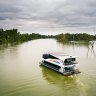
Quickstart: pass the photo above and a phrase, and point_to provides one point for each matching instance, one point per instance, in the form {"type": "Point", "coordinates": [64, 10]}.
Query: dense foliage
{"type": "Point", "coordinates": [75, 37]}
{"type": "Point", "coordinates": [10, 36]}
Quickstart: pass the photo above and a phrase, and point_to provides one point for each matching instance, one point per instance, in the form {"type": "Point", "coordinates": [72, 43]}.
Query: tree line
{"type": "Point", "coordinates": [75, 37]}
{"type": "Point", "coordinates": [10, 36]}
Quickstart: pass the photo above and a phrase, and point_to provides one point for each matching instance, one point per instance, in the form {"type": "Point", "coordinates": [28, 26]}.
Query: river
{"type": "Point", "coordinates": [21, 75]}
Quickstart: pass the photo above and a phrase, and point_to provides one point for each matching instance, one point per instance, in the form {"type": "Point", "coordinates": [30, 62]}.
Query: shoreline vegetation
{"type": "Point", "coordinates": [80, 38]}
{"type": "Point", "coordinates": [13, 36]}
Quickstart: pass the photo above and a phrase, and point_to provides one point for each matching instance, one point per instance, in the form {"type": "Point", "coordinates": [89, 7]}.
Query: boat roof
{"type": "Point", "coordinates": [61, 55]}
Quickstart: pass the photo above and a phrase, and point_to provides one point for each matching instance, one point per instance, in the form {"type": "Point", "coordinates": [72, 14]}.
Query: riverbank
{"type": "Point", "coordinates": [13, 36]}
{"type": "Point", "coordinates": [80, 38]}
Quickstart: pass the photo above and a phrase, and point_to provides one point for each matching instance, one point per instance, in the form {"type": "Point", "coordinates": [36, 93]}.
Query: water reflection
{"type": "Point", "coordinates": [3, 46]}
{"type": "Point", "coordinates": [56, 78]}
{"type": "Point", "coordinates": [90, 46]}
{"type": "Point", "coordinates": [75, 43]}
{"type": "Point", "coordinates": [67, 84]}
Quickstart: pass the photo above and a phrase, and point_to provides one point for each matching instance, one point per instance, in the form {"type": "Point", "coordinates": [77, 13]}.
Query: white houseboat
{"type": "Point", "coordinates": [60, 62]}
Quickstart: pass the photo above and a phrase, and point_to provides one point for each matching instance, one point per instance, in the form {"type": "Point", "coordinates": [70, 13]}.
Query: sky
{"type": "Point", "coordinates": [49, 16]}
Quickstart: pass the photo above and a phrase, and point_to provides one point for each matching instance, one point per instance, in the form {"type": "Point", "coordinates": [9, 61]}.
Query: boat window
{"type": "Point", "coordinates": [68, 60]}
{"type": "Point", "coordinates": [52, 57]}
{"type": "Point", "coordinates": [73, 59]}
{"type": "Point", "coordinates": [46, 56]}
{"type": "Point", "coordinates": [69, 69]}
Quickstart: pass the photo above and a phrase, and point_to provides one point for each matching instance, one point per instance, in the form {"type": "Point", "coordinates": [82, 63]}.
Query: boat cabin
{"type": "Point", "coordinates": [66, 59]}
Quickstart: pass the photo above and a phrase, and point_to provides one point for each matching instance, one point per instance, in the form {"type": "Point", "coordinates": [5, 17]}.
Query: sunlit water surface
{"type": "Point", "coordinates": [21, 75]}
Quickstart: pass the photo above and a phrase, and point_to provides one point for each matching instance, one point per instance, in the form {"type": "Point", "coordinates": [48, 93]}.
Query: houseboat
{"type": "Point", "coordinates": [64, 64]}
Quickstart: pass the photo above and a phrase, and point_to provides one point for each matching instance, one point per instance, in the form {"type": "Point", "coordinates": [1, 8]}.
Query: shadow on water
{"type": "Point", "coordinates": [71, 85]}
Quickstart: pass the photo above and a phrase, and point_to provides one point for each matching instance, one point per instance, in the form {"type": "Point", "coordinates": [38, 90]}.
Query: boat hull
{"type": "Point", "coordinates": [53, 67]}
